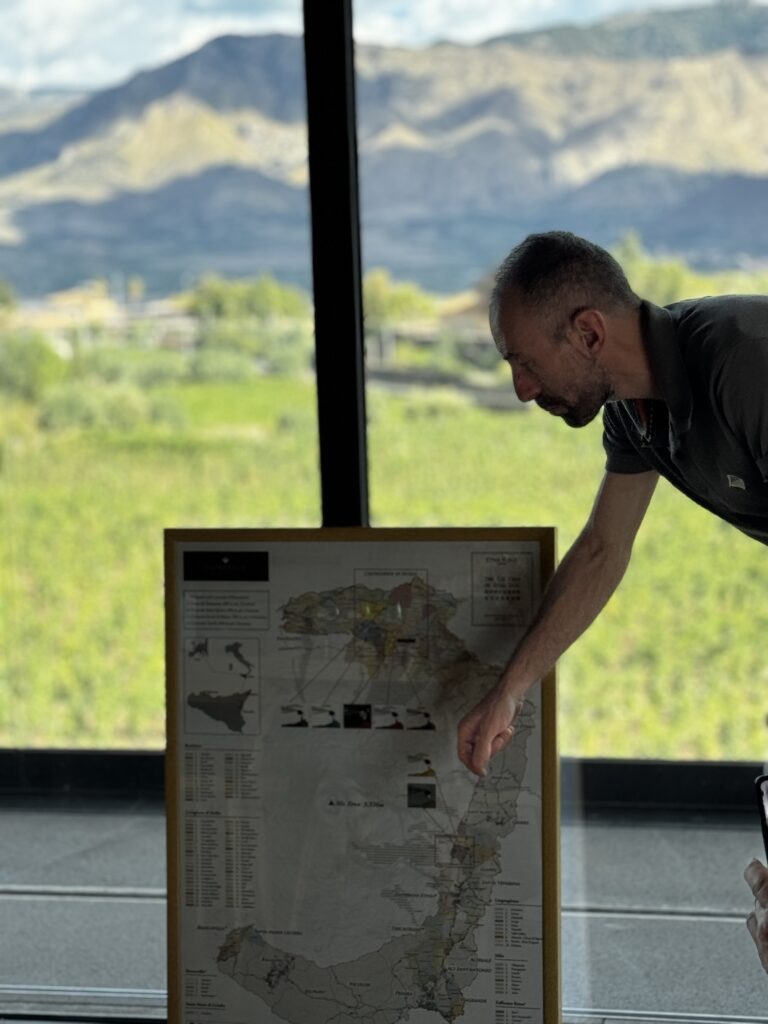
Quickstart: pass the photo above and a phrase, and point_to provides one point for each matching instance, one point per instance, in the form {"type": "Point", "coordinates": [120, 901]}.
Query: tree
{"type": "Point", "coordinates": [264, 298]}
{"type": "Point", "coordinates": [387, 302]}
{"type": "Point", "coordinates": [28, 365]}
{"type": "Point", "coordinates": [661, 280]}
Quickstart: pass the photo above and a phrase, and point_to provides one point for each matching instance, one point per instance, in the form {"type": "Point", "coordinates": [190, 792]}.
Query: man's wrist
{"type": "Point", "coordinates": [513, 685]}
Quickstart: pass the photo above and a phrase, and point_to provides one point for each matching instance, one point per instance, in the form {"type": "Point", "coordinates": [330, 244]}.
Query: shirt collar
{"type": "Point", "coordinates": [666, 362]}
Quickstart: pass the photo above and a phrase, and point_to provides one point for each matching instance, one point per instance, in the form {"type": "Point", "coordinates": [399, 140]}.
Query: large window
{"type": "Point", "coordinates": [156, 341]}
{"type": "Point", "coordinates": [156, 370]}
{"type": "Point", "coordinates": [606, 129]}
{"type": "Point", "coordinates": [156, 329]}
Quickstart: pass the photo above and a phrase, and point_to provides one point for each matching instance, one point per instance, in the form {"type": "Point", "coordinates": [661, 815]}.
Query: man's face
{"type": "Point", "coordinates": [558, 373]}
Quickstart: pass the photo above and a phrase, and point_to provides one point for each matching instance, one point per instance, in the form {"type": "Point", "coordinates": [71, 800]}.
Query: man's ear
{"type": "Point", "coordinates": [589, 331]}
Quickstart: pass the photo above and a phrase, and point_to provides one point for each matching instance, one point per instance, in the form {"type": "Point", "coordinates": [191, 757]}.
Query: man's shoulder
{"type": "Point", "coordinates": [721, 337]}
{"type": "Point", "coordinates": [726, 318]}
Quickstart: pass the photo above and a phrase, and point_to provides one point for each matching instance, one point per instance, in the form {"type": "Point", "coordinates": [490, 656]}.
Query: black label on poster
{"type": "Point", "coordinates": [228, 566]}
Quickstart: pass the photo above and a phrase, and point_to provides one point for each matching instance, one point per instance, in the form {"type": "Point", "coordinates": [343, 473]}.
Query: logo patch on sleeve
{"type": "Point", "coordinates": [736, 481]}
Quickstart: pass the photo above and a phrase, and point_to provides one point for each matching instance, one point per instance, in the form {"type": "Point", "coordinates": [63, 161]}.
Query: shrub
{"type": "Point", "coordinates": [289, 349]}
{"type": "Point", "coordinates": [431, 403]}
{"type": "Point", "coordinates": [284, 347]}
{"type": "Point", "coordinates": [221, 365]}
{"type": "Point", "coordinates": [29, 365]}
{"type": "Point", "coordinates": [120, 407]}
{"type": "Point", "coordinates": [236, 334]}
{"type": "Point", "coordinates": [141, 367]}
{"type": "Point", "coordinates": [71, 405]}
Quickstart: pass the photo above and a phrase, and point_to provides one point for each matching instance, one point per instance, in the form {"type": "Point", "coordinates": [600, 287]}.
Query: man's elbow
{"type": "Point", "coordinates": [605, 554]}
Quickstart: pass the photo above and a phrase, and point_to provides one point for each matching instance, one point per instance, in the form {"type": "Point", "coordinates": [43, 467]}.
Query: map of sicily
{"type": "Point", "coordinates": [214, 667]}
{"type": "Point", "coordinates": [388, 885]}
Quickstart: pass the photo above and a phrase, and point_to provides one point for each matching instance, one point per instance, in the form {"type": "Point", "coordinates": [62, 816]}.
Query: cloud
{"type": "Point", "coordinates": [96, 43]}
{"type": "Point", "coordinates": [243, 8]}
{"type": "Point", "coordinates": [469, 21]}
{"type": "Point", "coordinates": [392, 21]}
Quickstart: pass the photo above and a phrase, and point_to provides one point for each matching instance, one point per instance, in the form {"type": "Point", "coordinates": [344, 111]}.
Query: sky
{"type": "Point", "coordinates": [97, 43]}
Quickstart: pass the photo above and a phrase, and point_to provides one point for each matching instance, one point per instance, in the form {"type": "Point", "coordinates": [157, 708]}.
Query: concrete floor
{"type": "Point", "coordinates": [653, 916]}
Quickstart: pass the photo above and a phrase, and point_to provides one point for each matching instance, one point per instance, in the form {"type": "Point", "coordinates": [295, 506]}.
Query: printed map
{"type": "Point", "coordinates": [341, 865]}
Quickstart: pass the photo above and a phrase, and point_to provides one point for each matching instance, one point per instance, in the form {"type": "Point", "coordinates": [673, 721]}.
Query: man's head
{"type": "Point", "coordinates": [553, 300]}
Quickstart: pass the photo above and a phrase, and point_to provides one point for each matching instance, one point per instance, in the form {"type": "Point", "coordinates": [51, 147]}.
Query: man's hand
{"type": "Point", "coordinates": [756, 877]}
{"type": "Point", "coordinates": [487, 728]}
{"type": "Point", "coordinates": [578, 591]}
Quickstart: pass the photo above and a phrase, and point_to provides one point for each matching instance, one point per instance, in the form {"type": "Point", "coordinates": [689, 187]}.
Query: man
{"type": "Point", "coordinates": [684, 393]}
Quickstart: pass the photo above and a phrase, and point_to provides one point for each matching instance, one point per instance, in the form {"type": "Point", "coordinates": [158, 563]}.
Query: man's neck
{"type": "Point", "coordinates": [629, 370]}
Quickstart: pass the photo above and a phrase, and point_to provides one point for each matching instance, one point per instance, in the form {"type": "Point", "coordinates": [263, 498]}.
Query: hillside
{"type": "Point", "coordinates": [688, 32]}
{"type": "Point", "coordinates": [201, 164]}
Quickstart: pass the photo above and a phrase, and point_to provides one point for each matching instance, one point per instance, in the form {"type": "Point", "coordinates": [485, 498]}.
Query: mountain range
{"type": "Point", "coordinates": [651, 122]}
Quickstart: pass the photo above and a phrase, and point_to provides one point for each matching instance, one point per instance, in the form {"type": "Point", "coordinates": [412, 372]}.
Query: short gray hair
{"type": "Point", "coordinates": [556, 269]}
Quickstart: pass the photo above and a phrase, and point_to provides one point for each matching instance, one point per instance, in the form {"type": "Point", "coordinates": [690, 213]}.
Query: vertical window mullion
{"type": "Point", "coordinates": [332, 133]}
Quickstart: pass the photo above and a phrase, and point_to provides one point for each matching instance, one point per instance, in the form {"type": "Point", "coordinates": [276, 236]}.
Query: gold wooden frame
{"type": "Point", "coordinates": [546, 538]}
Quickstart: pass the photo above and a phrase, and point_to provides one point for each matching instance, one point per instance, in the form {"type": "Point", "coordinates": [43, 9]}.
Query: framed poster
{"type": "Point", "coordinates": [330, 861]}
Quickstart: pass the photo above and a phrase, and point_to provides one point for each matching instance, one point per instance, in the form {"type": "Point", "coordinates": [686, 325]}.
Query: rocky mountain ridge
{"type": "Point", "coordinates": [201, 164]}
{"type": "Point", "coordinates": [684, 32]}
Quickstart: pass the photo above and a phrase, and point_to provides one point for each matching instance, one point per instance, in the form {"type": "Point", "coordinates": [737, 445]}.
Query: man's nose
{"type": "Point", "coordinates": [525, 384]}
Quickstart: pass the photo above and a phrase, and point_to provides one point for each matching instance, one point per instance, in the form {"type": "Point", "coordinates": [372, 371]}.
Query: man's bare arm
{"type": "Point", "coordinates": [578, 591]}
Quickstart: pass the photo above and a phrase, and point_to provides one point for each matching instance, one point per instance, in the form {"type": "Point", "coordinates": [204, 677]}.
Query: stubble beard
{"type": "Point", "coordinates": [584, 408]}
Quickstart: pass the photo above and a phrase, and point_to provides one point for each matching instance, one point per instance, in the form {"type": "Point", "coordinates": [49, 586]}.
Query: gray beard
{"type": "Point", "coordinates": [585, 409]}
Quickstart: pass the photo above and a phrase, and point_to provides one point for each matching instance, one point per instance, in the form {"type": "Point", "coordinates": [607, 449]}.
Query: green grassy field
{"type": "Point", "coordinates": [674, 668]}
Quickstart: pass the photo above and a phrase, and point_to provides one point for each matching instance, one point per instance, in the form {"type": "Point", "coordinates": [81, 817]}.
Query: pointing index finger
{"type": "Point", "coordinates": [756, 877]}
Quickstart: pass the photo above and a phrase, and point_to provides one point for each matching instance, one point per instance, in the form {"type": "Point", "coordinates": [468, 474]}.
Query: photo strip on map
{"type": "Point", "coordinates": [329, 858]}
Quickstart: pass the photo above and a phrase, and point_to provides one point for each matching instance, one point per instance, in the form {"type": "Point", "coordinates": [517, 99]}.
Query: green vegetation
{"type": "Point", "coordinates": [28, 365]}
{"type": "Point", "coordinates": [674, 668]}
{"type": "Point", "coordinates": [665, 281]}
{"type": "Point", "coordinates": [102, 450]}
{"type": "Point", "coordinates": [248, 324]}
{"type": "Point", "coordinates": [388, 303]}
{"type": "Point", "coordinates": [83, 514]}
{"type": "Point", "coordinates": [263, 298]}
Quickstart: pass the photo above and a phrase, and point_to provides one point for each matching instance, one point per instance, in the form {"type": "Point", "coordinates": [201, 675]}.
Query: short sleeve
{"type": "Point", "coordinates": [742, 392]}
{"type": "Point", "coordinates": [621, 454]}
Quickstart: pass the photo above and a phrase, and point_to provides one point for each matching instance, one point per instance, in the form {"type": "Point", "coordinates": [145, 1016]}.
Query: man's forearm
{"type": "Point", "coordinates": [582, 585]}
{"type": "Point", "coordinates": [580, 588]}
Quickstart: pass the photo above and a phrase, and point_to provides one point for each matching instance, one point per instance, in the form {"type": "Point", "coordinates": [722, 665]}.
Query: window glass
{"type": "Point", "coordinates": [477, 125]}
{"type": "Point", "coordinates": [156, 334]}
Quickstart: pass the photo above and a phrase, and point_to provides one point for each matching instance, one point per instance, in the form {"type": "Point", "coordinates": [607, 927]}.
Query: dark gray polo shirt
{"type": "Point", "coordinates": [708, 433]}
